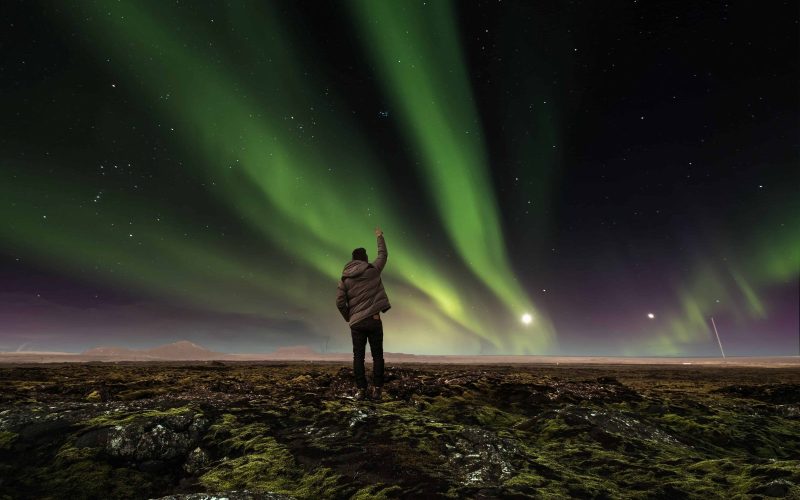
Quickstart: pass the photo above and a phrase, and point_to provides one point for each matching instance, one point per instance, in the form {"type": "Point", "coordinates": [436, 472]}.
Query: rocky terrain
{"type": "Point", "coordinates": [292, 430]}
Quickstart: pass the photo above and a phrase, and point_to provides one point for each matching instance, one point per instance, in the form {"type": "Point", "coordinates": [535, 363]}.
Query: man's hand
{"type": "Point", "coordinates": [378, 231]}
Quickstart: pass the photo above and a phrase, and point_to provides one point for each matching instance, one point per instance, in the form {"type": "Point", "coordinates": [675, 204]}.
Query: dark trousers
{"type": "Point", "coordinates": [368, 329]}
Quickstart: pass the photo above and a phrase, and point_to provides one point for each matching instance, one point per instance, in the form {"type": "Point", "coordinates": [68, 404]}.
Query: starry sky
{"type": "Point", "coordinates": [615, 172]}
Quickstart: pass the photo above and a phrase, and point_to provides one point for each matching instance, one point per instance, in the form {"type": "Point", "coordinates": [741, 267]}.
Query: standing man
{"type": "Point", "coordinates": [361, 298]}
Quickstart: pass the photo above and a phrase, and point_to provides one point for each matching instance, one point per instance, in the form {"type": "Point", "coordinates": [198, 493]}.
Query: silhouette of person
{"type": "Point", "coordinates": [360, 298]}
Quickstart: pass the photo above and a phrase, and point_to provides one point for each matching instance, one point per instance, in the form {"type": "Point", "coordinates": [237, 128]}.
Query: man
{"type": "Point", "coordinates": [361, 298]}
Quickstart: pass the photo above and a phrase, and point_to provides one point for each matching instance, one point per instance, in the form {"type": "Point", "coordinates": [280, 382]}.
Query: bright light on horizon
{"type": "Point", "coordinates": [527, 318]}
{"type": "Point", "coordinates": [651, 315]}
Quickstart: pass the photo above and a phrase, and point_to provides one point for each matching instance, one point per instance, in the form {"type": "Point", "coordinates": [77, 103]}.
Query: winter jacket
{"type": "Point", "coordinates": [360, 293]}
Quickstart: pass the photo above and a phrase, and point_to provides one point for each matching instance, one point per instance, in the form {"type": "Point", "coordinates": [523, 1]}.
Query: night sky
{"type": "Point", "coordinates": [619, 171]}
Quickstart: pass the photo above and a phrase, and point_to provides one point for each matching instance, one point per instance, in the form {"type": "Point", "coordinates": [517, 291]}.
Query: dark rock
{"type": "Point", "coordinates": [772, 393]}
{"type": "Point", "coordinates": [524, 394]}
{"type": "Point", "coordinates": [610, 427]}
{"type": "Point", "coordinates": [35, 430]}
{"type": "Point", "coordinates": [480, 457]}
{"type": "Point", "coordinates": [656, 409]}
{"type": "Point", "coordinates": [158, 439]}
{"type": "Point", "coordinates": [145, 442]}
{"type": "Point", "coordinates": [198, 425]}
{"type": "Point", "coordinates": [788, 411]}
{"type": "Point", "coordinates": [195, 461]}
{"type": "Point", "coordinates": [778, 488]}
{"type": "Point", "coordinates": [229, 495]}
{"type": "Point", "coordinates": [94, 438]}
{"type": "Point", "coordinates": [669, 492]}
{"type": "Point", "coordinates": [153, 466]}
{"type": "Point", "coordinates": [606, 439]}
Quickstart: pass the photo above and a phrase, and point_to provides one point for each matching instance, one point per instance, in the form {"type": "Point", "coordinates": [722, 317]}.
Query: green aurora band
{"type": "Point", "coordinates": [728, 283]}
{"type": "Point", "coordinates": [416, 48]}
{"type": "Point", "coordinates": [294, 180]}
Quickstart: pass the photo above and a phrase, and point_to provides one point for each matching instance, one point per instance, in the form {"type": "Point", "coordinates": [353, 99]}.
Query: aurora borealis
{"type": "Point", "coordinates": [201, 171]}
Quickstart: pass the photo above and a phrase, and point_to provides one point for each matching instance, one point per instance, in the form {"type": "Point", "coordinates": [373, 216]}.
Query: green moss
{"type": "Point", "coordinates": [89, 479]}
{"type": "Point", "coordinates": [141, 394]}
{"type": "Point", "coordinates": [82, 473]}
{"type": "Point", "coordinates": [430, 445]}
{"type": "Point", "coordinates": [377, 492]}
{"type": "Point", "coordinates": [263, 464]}
{"type": "Point", "coordinates": [7, 439]}
{"type": "Point", "coordinates": [125, 418]}
{"type": "Point", "coordinates": [490, 416]}
{"type": "Point", "coordinates": [553, 426]}
{"type": "Point", "coordinates": [263, 471]}
{"type": "Point", "coordinates": [712, 466]}
{"type": "Point", "coordinates": [69, 453]}
{"type": "Point", "coordinates": [525, 479]}
{"type": "Point", "coordinates": [323, 483]}
{"type": "Point", "coordinates": [450, 409]}
{"type": "Point", "coordinates": [683, 424]}
{"type": "Point", "coordinates": [235, 438]}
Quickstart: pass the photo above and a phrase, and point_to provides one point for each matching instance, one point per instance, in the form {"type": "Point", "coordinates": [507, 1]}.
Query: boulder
{"type": "Point", "coordinates": [148, 441]}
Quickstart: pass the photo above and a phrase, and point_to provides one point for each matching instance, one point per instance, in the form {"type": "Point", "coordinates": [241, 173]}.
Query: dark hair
{"type": "Point", "coordinates": [360, 254]}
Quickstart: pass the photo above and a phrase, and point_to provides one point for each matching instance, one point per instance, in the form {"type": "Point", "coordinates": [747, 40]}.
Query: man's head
{"type": "Point", "coordinates": [360, 254]}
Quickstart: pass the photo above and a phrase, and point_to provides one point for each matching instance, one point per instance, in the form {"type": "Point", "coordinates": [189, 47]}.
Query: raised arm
{"type": "Point", "coordinates": [380, 261]}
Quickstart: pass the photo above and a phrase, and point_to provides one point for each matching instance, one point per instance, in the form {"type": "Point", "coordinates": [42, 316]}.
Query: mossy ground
{"type": "Point", "coordinates": [441, 431]}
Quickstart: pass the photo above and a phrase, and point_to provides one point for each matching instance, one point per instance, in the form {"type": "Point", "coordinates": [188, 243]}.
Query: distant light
{"type": "Point", "coordinates": [651, 315]}
{"type": "Point", "coordinates": [527, 318]}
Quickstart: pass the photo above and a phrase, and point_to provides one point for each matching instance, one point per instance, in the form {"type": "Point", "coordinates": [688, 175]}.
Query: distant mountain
{"type": "Point", "coordinates": [109, 351]}
{"type": "Point", "coordinates": [190, 352]}
{"type": "Point", "coordinates": [182, 350]}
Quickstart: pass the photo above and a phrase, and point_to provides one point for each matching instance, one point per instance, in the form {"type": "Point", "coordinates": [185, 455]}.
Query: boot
{"type": "Point", "coordinates": [361, 394]}
{"type": "Point", "coordinates": [377, 393]}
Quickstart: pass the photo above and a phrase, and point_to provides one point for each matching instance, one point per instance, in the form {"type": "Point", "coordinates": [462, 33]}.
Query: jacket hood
{"type": "Point", "coordinates": [354, 268]}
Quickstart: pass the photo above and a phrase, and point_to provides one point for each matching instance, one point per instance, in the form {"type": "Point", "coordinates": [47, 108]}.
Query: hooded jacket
{"type": "Point", "coordinates": [360, 292]}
